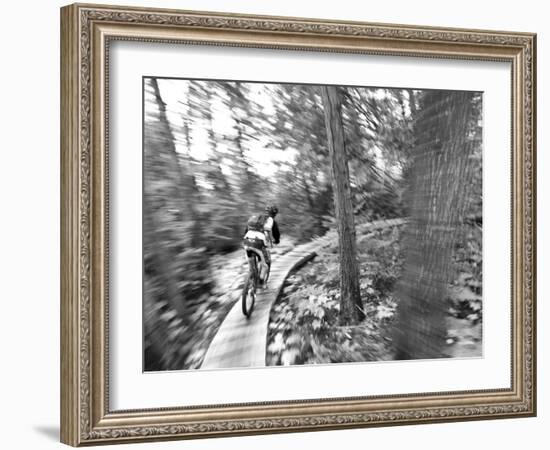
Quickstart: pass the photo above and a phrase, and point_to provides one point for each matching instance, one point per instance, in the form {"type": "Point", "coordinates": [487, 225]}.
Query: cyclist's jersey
{"type": "Point", "coordinates": [268, 225]}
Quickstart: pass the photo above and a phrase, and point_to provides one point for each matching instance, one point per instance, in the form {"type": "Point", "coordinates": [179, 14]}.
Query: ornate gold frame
{"type": "Point", "coordinates": [86, 31]}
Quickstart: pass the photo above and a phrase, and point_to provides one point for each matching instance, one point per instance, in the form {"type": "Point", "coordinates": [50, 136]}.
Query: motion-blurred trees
{"type": "Point", "coordinates": [378, 136]}
{"type": "Point", "coordinates": [438, 198]}
{"type": "Point", "coordinates": [176, 267]}
{"type": "Point", "coordinates": [305, 190]}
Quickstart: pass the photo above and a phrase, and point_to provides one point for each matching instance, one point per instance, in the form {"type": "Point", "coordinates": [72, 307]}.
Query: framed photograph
{"type": "Point", "coordinates": [276, 224]}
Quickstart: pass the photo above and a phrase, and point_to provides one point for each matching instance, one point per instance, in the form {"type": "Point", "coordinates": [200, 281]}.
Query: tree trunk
{"type": "Point", "coordinates": [165, 234]}
{"type": "Point", "coordinates": [439, 180]}
{"type": "Point", "coordinates": [183, 182]}
{"type": "Point", "coordinates": [222, 185]}
{"type": "Point", "coordinates": [412, 102]}
{"type": "Point", "coordinates": [351, 306]}
{"type": "Point", "coordinates": [191, 182]}
{"type": "Point", "coordinates": [185, 189]}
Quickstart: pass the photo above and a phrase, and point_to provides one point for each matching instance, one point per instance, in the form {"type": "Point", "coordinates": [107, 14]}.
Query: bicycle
{"type": "Point", "coordinates": [258, 270]}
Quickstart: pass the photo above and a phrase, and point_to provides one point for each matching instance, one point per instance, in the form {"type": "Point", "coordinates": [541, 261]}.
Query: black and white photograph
{"type": "Point", "coordinates": [300, 224]}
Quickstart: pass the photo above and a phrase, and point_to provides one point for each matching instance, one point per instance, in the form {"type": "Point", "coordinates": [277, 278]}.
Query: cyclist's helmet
{"type": "Point", "coordinates": [272, 210]}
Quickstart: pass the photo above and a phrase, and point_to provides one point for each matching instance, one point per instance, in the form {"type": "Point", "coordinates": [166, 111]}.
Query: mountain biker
{"type": "Point", "coordinates": [262, 231]}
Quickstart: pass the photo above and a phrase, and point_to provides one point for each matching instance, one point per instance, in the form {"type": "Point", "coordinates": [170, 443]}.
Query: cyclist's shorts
{"type": "Point", "coordinates": [254, 243]}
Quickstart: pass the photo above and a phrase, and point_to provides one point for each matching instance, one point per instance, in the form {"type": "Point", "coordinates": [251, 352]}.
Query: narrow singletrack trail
{"type": "Point", "coordinates": [241, 341]}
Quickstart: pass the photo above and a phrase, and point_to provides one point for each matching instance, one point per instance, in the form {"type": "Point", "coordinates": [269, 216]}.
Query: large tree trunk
{"type": "Point", "coordinates": [184, 183]}
{"type": "Point", "coordinates": [158, 199]}
{"type": "Point", "coordinates": [351, 306]}
{"type": "Point", "coordinates": [221, 183]}
{"type": "Point", "coordinates": [170, 215]}
{"type": "Point", "coordinates": [437, 198]}
{"type": "Point", "coordinates": [186, 159]}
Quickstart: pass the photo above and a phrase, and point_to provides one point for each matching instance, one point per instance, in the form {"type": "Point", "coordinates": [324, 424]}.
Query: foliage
{"type": "Point", "coordinates": [304, 328]}
{"type": "Point", "coordinates": [306, 316]}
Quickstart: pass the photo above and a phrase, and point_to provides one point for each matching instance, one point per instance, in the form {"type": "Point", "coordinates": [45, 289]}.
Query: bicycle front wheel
{"type": "Point", "coordinates": [249, 290]}
{"type": "Point", "coordinates": [249, 295]}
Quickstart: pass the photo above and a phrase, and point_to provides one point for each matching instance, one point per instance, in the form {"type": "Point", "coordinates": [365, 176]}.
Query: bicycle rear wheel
{"type": "Point", "coordinates": [267, 275]}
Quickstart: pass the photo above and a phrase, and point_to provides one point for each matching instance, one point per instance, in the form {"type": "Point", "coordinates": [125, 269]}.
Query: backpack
{"type": "Point", "coordinates": [256, 222]}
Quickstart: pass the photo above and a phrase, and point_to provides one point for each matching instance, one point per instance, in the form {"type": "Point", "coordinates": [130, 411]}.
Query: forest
{"type": "Point", "coordinates": [333, 159]}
